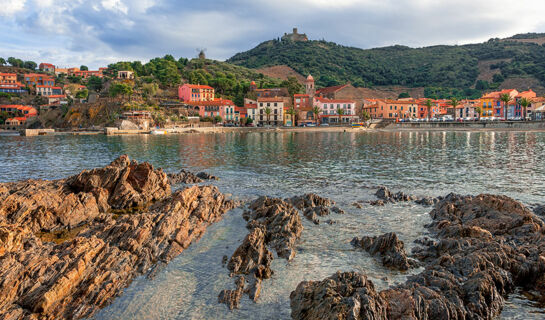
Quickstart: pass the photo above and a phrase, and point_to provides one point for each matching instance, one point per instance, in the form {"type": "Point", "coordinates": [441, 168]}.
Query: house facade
{"type": "Point", "coordinates": [38, 79]}
{"type": "Point", "coordinates": [9, 84]}
{"type": "Point", "coordinates": [48, 90]}
{"type": "Point", "coordinates": [17, 110]}
{"type": "Point", "coordinates": [492, 106]}
{"type": "Point", "coordinates": [276, 114]}
{"type": "Point", "coordinates": [195, 93]}
{"type": "Point", "coordinates": [330, 110]}
{"type": "Point", "coordinates": [47, 67]}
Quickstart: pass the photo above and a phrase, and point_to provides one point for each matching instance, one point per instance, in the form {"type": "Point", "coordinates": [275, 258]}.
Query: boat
{"type": "Point", "coordinates": [358, 125]}
{"type": "Point", "coordinates": [158, 132]}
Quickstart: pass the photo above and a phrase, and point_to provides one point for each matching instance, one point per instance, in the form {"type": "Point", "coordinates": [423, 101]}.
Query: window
{"type": "Point", "coordinates": [389, 115]}
{"type": "Point", "coordinates": [268, 104]}
{"type": "Point", "coordinates": [275, 104]}
{"type": "Point", "coordinates": [275, 111]}
{"type": "Point", "coordinates": [275, 118]}
{"type": "Point", "coordinates": [261, 104]}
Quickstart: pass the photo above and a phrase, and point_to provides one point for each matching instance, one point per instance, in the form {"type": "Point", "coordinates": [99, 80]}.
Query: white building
{"type": "Point", "coordinates": [276, 115]}
{"type": "Point", "coordinates": [330, 107]}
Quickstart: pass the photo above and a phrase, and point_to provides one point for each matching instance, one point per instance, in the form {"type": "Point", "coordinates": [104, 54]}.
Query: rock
{"type": "Point", "coordinates": [377, 203]}
{"type": "Point", "coordinates": [389, 248]}
{"type": "Point", "coordinates": [206, 176]}
{"type": "Point", "coordinates": [51, 269]}
{"type": "Point", "coordinates": [67, 203]}
{"type": "Point", "coordinates": [232, 297]}
{"type": "Point", "coordinates": [385, 195]}
{"type": "Point", "coordinates": [224, 260]}
{"type": "Point", "coordinates": [310, 200]}
{"type": "Point", "coordinates": [486, 247]}
{"type": "Point", "coordinates": [273, 223]}
{"type": "Point", "coordinates": [337, 210]}
{"type": "Point", "coordinates": [540, 210]}
{"type": "Point", "coordinates": [185, 177]}
{"type": "Point", "coordinates": [357, 205]}
{"type": "Point", "coordinates": [426, 201]}
{"type": "Point", "coordinates": [347, 295]}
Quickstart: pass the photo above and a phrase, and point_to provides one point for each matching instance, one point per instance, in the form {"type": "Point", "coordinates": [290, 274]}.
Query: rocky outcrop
{"type": "Point", "coordinates": [314, 206]}
{"type": "Point", "coordinates": [389, 248]}
{"type": "Point", "coordinates": [486, 247]}
{"type": "Point", "coordinates": [188, 177]}
{"type": "Point", "coordinates": [51, 269]}
{"type": "Point", "coordinates": [384, 196]}
{"type": "Point", "coordinates": [274, 224]}
{"type": "Point", "coordinates": [347, 295]}
{"type": "Point", "coordinates": [49, 205]}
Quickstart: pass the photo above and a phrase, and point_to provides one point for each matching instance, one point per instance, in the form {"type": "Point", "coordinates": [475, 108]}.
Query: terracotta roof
{"type": "Point", "coordinates": [331, 89]}
{"type": "Point", "coordinates": [17, 118]}
{"type": "Point", "coordinates": [270, 100]}
{"type": "Point", "coordinates": [310, 77]}
{"type": "Point", "coordinates": [8, 74]}
{"type": "Point", "coordinates": [325, 100]}
{"type": "Point", "coordinates": [197, 86]}
{"type": "Point", "coordinates": [217, 102]}
{"type": "Point", "coordinates": [57, 96]}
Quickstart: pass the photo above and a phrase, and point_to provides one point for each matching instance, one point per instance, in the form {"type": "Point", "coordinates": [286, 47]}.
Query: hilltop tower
{"type": "Point", "coordinates": [310, 86]}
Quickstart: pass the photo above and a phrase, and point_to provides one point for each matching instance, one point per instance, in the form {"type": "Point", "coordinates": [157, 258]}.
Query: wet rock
{"type": "Point", "coordinates": [232, 297]}
{"type": "Point", "coordinates": [309, 200]}
{"type": "Point", "coordinates": [224, 260]}
{"type": "Point", "coordinates": [389, 248]}
{"type": "Point", "coordinates": [337, 210]}
{"type": "Point", "coordinates": [377, 203]}
{"type": "Point", "coordinates": [53, 273]}
{"type": "Point", "coordinates": [206, 176]}
{"type": "Point", "coordinates": [357, 205]}
{"type": "Point", "coordinates": [426, 201]}
{"type": "Point", "coordinates": [385, 195]}
{"type": "Point", "coordinates": [486, 247]}
{"type": "Point", "coordinates": [540, 210]}
{"type": "Point", "coordinates": [274, 224]}
{"type": "Point", "coordinates": [331, 222]}
{"type": "Point", "coordinates": [185, 177]}
{"type": "Point", "coordinates": [347, 295]}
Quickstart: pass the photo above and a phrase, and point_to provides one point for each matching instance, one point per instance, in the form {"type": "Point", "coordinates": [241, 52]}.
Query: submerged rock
{"type": "Point", "coordinates": [314, 206]}
{"type": "Point", "coordinates": [206, 176]}
{"type": "Point", "coordinates": [232, 297]}
{"type": "Point", "coordinates": [389, 248]}
{"type": "Point", "coordinates": [64, 254]}
{"type": "Point", "coordinates": [185, 177]}
{"type": "Point", "coordinates": [385, 195]}
{"type": "Point", "coordinates": [486, 247]}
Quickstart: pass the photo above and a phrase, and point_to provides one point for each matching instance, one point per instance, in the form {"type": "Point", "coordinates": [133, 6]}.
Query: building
{"type": "Point", "coordinates": [9, 84]}
{"type": "Point", "coordinates": [195, 93]}
{"type": "Point", "coordinates": [295, 36]}
{"type": "Point", "coordinates": [330, 110]}
{"type": "Point", "coordinates": [492, 106]}
{"type": "Point", "coordinates": [240, 113]}
{"type": "Point", "coordinates": [57, 99]}
{"type": "Point", "coordinates": [48, 90]}
{"type": "Point", "coordinates": [86, 74]}
{"type": "Point", "coordinates": [15, 122]}
{"type": "Point", "coordinates": [270, 92]}
{"type": "Point", "coordinates": [47, 67]}
{"type": "Point", "coordinates": [219, 107]}
{"type": "Point", "coordinates": [125, 75]}
{"type": "Point", "coordinates": [394, 109]}
{"type": "Point", "coordinates": [61, 71]}
{"type": "Point", "coordinates": [38, 79]}
{"type": "Point", "coordinates": [19, 110]}
{"type": "Point", "coordinates": [304, 105]}
{"type": "Point", "coordinates": [251, 109]}
{"type": "Point", "coordinates": [515, 109]}
{"type": "Point", "coordinates": [275, 116]}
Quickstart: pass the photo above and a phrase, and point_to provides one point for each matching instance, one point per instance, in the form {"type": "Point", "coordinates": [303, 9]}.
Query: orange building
{"type": "Point", "coordinates": [15, 109]}
{"type": "Point", "coordinates": [8, 78]}
{"type": "Point", "coordinates": [392, 109]}
{"type": "Point", "coordinates": [39, 79]}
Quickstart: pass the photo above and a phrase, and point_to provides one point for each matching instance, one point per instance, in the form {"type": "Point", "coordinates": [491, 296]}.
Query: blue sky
{"type": "Point", "coordinates": [95, 33]}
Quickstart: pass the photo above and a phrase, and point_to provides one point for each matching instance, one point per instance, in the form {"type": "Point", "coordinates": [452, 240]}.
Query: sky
{"type": "Point", "coordinates": [98, 32]}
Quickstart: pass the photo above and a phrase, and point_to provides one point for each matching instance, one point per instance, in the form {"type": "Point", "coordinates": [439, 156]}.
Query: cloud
{"type": "Point", "coordinates": [95, 33]}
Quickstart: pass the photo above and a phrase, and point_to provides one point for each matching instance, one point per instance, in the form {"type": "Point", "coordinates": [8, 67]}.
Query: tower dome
{"type": "Point", "coordinates": [310, 78]}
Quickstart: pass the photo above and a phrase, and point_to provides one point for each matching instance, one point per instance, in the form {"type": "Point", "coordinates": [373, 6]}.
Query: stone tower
{"type": "Point", "coordinates": [309, 86]}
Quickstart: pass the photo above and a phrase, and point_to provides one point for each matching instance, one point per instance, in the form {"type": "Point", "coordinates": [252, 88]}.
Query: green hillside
{"type": "Point", "coordinates": [436, 66]}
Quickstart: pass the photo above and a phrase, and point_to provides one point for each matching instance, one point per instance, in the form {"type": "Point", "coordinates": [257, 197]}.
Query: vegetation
{"type": "Point", "coordinates": [436, 66]}
{"type": "Point", "coordinates": [524, 103]}
{"type": "Point", "coordinates": [505, 98]}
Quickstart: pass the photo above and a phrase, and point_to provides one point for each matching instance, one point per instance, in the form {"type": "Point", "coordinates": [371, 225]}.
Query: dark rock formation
{"type": "Point", "coordinates": [389, 248]}
{"type": "Point", "coordinates": [540, 210]}
{"type": "Point", "coordinates": [64, 254]}
{"type": "Point", "coordinates": [232, 297]}
{"type": "Point", "coordinates": [486, 247]}
{"type": "Point", "coordinates": [206, 176]}
{"type": "Point", "coordinates": [385, 195]}
{"type": "Point", "coordinates": [314, 206]}
{"type": "Point", "coordinates": [357, 205]}
{"type": "Point", "coordinates": [347, 295]}
{"type": "Point", "coordinates": [185, 177]}
{"type": "Point", "coordinates": [274, 224]}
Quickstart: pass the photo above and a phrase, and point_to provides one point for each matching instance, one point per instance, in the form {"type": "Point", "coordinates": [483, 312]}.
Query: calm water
{"type": "Point", "coordinates": [345, 167]}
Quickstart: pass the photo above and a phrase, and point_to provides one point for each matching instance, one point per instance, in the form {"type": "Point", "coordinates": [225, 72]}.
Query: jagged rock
{"type": "Point", "coordinates": [337, 210]}
{"type": "Point", "coordinates": [309, 200]}
{"type": "Point", "coordinates": [540, 210]}
{"type": "Point", "coordinates": [347, 295]}
{"type": "Point", "coordinates": [206, 176]}
{"type": "Point", "coordinates": [389, 248]}
{"type": "Point", "coordinates": [426, 201]}
{"type": "Point", "coordinates": [185, 177]}
{"type": "Point", "coordinates": [486, 247]}
{"type": "Point", "coordinates": [377, 203]}
{"type": "Point", "coordinates": [232, 297]}
{"type": "Point", "coordinates": [52, 273]}
{"type": "Point", "coordinates": [273, 223]}
{"type": "Point", "coordinates": [385, 195]}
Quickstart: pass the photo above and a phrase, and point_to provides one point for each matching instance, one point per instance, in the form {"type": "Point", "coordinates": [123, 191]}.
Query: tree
{"type": "Point", "coordinates": [404, 95]}
{"type": "Point", "coordinates": [365, 115]}
{"type": "Point", "coordinates": [340, 112]}
{"type": "Point", "coordinates": [524, 103]}
{"type": "Point", "coordinates": [478, 110]}
{"type": "Point", "coordinates": [150, 89]}
{"type": "Point", "coordinates": [30, 65]}
{"type": "Point", "coordinates": [40, 100]}
{"type": "Point", "coordinates": [316, 112]}
{"type": "Point", "coordinates": [429, 104]}
{"type": "Point", "coordinates": [498, 78]}
{"type": "Point", "coordinates": [454, 102]}
{"type": "Point", "coordinates": [84, 68]}
{"type": "Point", "coordinates": [94, 83]}
{"type": "Point", "coordinates": [82, 94]}
{"type": "Point", "coordinates": [218, 119]}
{"type": "Point", "coordinates": [293, 85]}
{"type": "Point", "coordinates": [505, 98]}
{"type": "Point", "coordinates": [122, 89]}
{"type": "Point", "coordinates": [482, 85]}
{"type": "Point", "coordinates": [14, 62]}
{"type": "Point", "coordinates": [2, 61]}
{"type": "Point", "coordinates": [291, 111]}
{"type": "Point", "coordinates": [268, 112]}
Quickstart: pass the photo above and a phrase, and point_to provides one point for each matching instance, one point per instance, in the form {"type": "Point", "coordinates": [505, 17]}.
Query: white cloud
{"type": "Point", "coordinates": [10, 7]}
{"type": "Point", "coordinates": [115, 6]}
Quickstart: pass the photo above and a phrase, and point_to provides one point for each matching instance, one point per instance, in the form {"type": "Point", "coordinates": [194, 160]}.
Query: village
{"type": "Point", "coordinates": [196, 105]}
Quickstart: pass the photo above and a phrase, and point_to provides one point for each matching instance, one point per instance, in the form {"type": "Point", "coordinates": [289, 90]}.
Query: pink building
{"type": "Point", "coordinates": [219, 107]}
{"type": "Point", "coordinates": [329, 109]}
{"type": "Point", "coordinates": [194, 92]}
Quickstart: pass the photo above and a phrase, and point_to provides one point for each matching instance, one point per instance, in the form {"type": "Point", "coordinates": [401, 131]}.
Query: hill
{"type": "Point", "coordinates": [521, 56]}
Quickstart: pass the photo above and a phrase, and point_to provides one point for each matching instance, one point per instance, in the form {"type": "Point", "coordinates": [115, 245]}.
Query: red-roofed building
{"type": "Point", "coordinates": [276, 107]}
{"type": "Point", "coordinates": [15, 122]}
{"type": "Point", "coordinates": [194, 93]}
{"type": "Point", "coordinates": [56, 99]}
{"type": "Point", "coordinates": [47, 67]}
{"type": "Point", "coordinates": [492, 106]}
{"type": "Point", "coordinates": [251, 109]}
{"type": "Point", "coordinates": [17, 109]}
{"type": "Point", "coordinates": [39, 79]}
{"type": "Point", "coordinates": [329, 110]}
{"type": "Point", "coordinates": [86, 74]}
{"type": "Point", "coordinates": [48, 90]}
{"type": "Point", "coordinates": [9, 84]}
{"type": "Point", "coordinates": [218, 107]}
